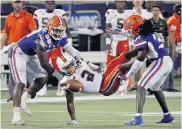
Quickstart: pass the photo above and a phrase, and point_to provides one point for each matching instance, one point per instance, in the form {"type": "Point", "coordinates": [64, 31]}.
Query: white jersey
{"type": "Point", "coordinates": [144, 13]}
{"type": "Point", "coordinates": [90, 79]}
{"type": "Point", "coordinates": [116, 20]}
{"type": "Point", "coordinates": [42, 15]}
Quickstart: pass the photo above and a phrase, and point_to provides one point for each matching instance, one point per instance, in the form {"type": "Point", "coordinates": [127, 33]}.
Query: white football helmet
{"type": "Point", "coordinates": [66, 64]}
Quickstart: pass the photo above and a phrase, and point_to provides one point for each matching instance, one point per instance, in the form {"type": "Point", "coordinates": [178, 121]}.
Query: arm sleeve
{"type": "Point", "coordinates": [108, 16]}
{"type": "Point", "coordinates": [32, 24]}
{"type": "Point", "coordinates": [72, 51]}
{"type": "Point", "coordinates": [134, 68]}
{"type": "Point", "coordinates": [141, 45]}
{"type": "Point", "coordinates": [6, 30]}
{"type": "Point", "coordinates": [171, 25]}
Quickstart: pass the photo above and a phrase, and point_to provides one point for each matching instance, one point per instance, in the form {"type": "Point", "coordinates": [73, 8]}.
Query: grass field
{"type": "Point", "coordinates": [92, 114]}
{"type": "Point", "coordinates": [105, 114]}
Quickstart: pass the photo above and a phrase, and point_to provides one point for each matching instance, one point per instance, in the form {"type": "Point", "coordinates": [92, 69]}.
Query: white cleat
{"type": "Point", "coordinates": [26, 110]}
{"type": "Point", "coordinates": [17, 122]}
{"type": "Point", "coordinates": [72, 122]}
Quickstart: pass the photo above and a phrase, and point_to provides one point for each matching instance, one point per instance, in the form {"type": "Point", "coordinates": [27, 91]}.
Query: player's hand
{"type": "Point", "coordinates": [122, 78]}
{"type": "Point", "coordinates": [100, 69]}
{"type": "Point", "coordinates": [123, 85]}
{"type": "Point", "coordinates": [72, 122]}
{"type": "Point", "coordinates": [108, 47]}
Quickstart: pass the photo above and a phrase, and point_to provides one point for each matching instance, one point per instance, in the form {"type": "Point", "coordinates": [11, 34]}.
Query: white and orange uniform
{"type": "Point", "coordinates": [93, 81]}
{"type": "Point", "coordinates": [119, 43]}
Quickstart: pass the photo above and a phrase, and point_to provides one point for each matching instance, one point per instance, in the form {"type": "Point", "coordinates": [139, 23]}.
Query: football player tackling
{"type": "Point", "coordinates": [150, 47]}
{"type": "Point", "coordinates": [29, 58]}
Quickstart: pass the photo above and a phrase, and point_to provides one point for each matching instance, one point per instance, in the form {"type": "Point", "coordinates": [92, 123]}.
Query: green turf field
{"type": "Point", "coordinates": [97, 114]}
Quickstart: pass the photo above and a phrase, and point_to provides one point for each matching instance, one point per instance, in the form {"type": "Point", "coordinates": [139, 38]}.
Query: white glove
{"type": "Point", "coordinates": [72, 122]}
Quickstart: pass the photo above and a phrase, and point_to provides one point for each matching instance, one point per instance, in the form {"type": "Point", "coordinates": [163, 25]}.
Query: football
{"type": "Point", "coordinates": [74, 85]}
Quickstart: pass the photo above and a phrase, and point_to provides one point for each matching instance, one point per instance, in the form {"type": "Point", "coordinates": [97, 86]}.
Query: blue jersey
{"type": "Point", "coordinates": [153, 44]}
{"type": "Point", "coordinates": [28, 43]}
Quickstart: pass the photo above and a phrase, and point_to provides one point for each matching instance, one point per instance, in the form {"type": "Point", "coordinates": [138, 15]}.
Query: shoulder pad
{"type": "Point", "coordinates": [110, 11]}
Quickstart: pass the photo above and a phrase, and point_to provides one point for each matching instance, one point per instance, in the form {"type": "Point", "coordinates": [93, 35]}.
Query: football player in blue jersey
{"type": "Point", "coordinates": [148, 46]}
{"type": "Point", "coordinates": [29, 58]}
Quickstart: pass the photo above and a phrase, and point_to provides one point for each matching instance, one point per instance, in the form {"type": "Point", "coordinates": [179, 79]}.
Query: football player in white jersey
{"type": "Point", "coordinates": [138, 10]}
{"type": "Point", "coordinates": [116, 44]}
{"type": "Point", "coordinates": [41, 16]}
{"type": "Point", "coordinates": [87, 78]}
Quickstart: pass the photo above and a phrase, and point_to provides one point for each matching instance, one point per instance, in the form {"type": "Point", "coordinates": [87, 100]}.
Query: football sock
{"type": "Point", "coordinates": [140, 99]}
{"type": "Point", "coordinates": [161, 100]}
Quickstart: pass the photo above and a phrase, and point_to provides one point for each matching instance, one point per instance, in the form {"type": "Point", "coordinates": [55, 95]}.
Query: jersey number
{"type": "Point", "coordinates": [119, 23]}
{"type": "Point", "coordinates": [90, 76]}
{"type": "Point", "coordinates": [44, 21]}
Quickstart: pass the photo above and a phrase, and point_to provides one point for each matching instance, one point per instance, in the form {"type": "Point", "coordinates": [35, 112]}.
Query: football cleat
{"type": "Point", "coordinates": [136, 121]}
{"type": "Point", "coordinates": [72, 122]}
{"type": "Point", "coordinates": [26, 110]}
{"type": "Point", "coordinates": [17, 122]}
{"type": "Point", "coordinates": [167, 119]}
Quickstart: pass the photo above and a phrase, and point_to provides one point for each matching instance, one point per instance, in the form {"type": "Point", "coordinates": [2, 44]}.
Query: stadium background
{"type": "Point", "coordinates": [107, 113]}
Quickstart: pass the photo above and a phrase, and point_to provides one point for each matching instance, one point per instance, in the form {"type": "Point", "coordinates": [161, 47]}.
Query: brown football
{"type": "Point", "coordinates": [74, 85]}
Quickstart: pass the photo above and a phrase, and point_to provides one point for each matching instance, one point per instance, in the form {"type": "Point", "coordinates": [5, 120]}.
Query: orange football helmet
{"type": "Point", "coordinates": [56, 27]}
{"type": "Point", "coordinates": [132, 23]}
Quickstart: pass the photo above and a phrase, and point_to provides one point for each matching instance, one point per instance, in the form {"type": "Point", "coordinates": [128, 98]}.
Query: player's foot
{"type": "Point", "coordinates": [10, 99]}
{"type": "Point", "coordinates": [167, 119]}
{"type": "Point", "coordinates": [72, 122]}
{"type": "Point", "coordinates": [17, 121]}
{"type": "Point", "coordinates": [136, 121]}
{"type": "Point", "coordinates": [26, 110]}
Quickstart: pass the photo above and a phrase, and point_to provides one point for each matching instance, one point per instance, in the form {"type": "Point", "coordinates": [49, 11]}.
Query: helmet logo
{"type": "Point", "coordinates": [130, 23]}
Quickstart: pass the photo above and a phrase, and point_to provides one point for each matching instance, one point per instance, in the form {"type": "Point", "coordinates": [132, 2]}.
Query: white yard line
{"type": "Point", "coordinates": [92, 97]}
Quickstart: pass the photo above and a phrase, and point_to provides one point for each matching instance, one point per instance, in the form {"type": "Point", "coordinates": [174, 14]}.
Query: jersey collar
{"type": "Point", "coordinates": [21, 14]}
{"type": "Point", "coordinates": [177, 16]}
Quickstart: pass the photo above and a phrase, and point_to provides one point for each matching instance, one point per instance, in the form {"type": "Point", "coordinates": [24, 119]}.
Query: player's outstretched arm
{"type": "Point", "coordinates": [130, 54]}
{"type": "Point", "coordinates": [137, 64]}
{"type": "Point", "coordinates": [75, 53]}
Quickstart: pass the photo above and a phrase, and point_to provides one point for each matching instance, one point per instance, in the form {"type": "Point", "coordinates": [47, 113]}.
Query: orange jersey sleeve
{"type": "Point", "coordinates": [174, 25]}
{"type": "Point", "coordinates": [32, 24]}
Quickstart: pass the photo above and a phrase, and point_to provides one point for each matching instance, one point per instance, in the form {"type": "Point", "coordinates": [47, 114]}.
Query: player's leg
{"type": "Point", "coordinates": [110, 82]}
{"type": "Point", "coordinates": [153, 79]}
{"type": "Point", "coordinates": [40, 78]}
{"type": "Point", "coordinates": [109, 58]}
{"type": "Point", "coordinates": [123, 46]}
{"type": "Point", "coordinates": [17, 65]}
{"type": "Point", "coordinates": [165, 71]}
{"type": "Point", "coordinates": [115, 62]}
{"type": "Point", "coordinates": [144, 84]}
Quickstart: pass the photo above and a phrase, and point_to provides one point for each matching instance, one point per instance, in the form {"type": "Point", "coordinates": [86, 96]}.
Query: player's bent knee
{"type": "Point", "coordinates": [41, 81]}
{"type": "Point", "coordinates": [142, 87]}
{"type": "Point", "coordinates": [20, 85]}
